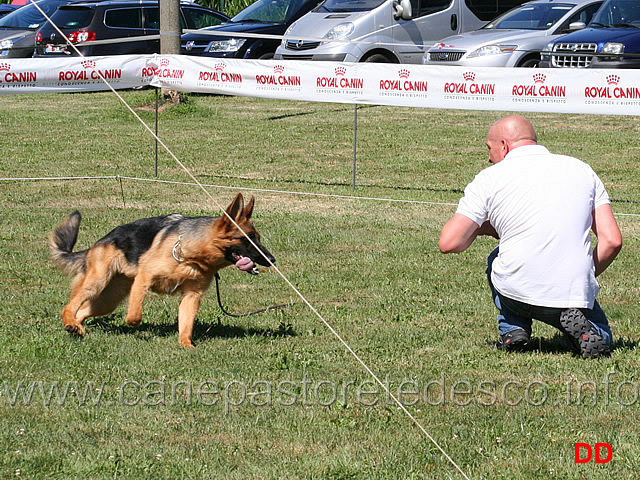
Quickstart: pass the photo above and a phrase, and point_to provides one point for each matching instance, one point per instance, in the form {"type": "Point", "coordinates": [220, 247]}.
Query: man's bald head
{"type": "Point", "coordinates": [509, 132]}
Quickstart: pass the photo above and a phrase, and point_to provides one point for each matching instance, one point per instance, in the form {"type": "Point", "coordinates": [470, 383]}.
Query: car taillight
{"type": "Point", "coordinates": [38, 37]}
{"type": "Point", "coordinates": [81, 36]}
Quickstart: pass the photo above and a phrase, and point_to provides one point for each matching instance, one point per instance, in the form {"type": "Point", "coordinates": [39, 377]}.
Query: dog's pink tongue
{"type": "Point", "coordinates": [245, 264]}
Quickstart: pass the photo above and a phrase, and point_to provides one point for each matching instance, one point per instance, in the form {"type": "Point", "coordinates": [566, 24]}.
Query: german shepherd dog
{"type": "Point", "coordinates": [167, 254]}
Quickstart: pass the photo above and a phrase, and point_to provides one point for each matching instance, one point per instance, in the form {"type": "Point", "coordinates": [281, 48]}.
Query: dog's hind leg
{"type": "Point", "coordinates": [107, 301]}
{"type": "Point", "coordinates": [189, 305]}
{"type": "Point", "coordinates": [84, 290]}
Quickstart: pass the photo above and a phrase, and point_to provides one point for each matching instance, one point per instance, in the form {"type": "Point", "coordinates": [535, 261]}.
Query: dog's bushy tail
{"type": "Point", "coordinates": [61, 243]}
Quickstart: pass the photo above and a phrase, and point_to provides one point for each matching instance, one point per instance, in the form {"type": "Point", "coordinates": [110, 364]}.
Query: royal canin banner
{"type": "Point", "coordinates": [593, 91]}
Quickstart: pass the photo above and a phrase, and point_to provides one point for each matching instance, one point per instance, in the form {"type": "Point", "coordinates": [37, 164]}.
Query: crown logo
{"type": "Point", "coordinates": [220, 66]}
{"type": "Point", "coordinates": [5, 66]}
{"type": "Point", "coordinates": [469, 76]}
{"type": "Point", "coordinates": [164, 62]}
{"type": "Point", "coordinates": [89, 64]}
{"type": "Point", "coordinates": [613, 79]}
{"type": "Point", "coordinates": [278, 69]}
{"type": "Point", "coordinates": [340, 71]}
{"type": "Point", "coordinates": [539, 78]}
{"type": "Point", "coordinates": [403, 73]}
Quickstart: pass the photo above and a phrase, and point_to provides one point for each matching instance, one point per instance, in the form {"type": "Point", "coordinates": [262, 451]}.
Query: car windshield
{"type": "Point", "coordinates": [29, 17]}
{"type": "Point", "coordinates": [349, 5]}
{"type": "Point", "coordinates": [618, 13]}
{"type": "Point", "coordinates": [268, 11]}
{"type": "Point", "coordinates": [538, 16]}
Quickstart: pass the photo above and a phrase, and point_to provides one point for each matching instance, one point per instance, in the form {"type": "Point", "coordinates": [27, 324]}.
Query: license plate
{"type": "Point", "coordinates": [54, 49]}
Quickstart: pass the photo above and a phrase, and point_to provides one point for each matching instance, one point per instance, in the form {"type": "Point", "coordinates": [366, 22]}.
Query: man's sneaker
{"type": "Point", "coordinates": [582, 335]}
{"type": "Point", "coordinates": [515, 341]}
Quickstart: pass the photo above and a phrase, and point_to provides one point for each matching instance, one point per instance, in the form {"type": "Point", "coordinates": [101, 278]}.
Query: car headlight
{"type": "Point", "coordinates": [492, 50]}
{"type": "Point", "coordinates": [340, 32]}
{"type": "Point", "coordinates": [613, 48]}
{"type": "Point", "coordinates": [287, 32]}
{"type": "Point", "coordinates": [229, 45]}
{"type": "Point", "coordinates": [5, 46]}
{"type": "Point", "coordinates": [548, 47]}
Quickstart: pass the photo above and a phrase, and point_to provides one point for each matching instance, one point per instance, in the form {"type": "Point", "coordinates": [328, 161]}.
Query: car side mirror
{"type": "Point", "coordinates": [577, 26]}
{"type": "Point", "coordinates": [402, 9]}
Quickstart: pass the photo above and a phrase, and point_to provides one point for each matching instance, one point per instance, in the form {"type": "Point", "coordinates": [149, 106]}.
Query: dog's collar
{"type": "Point", "coordinates": [177, 250]}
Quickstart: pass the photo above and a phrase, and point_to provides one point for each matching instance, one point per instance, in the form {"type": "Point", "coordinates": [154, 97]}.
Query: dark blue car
{"type": "Point", "coordinates": [264, 17]}
{"type": "Point", "coordinates": [612, 40]}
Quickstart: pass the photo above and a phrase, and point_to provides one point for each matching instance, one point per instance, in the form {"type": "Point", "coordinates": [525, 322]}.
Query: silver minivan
{"type": "Point", "coordinates": [389, 31]}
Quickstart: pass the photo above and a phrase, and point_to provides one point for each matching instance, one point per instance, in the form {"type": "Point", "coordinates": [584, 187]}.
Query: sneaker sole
{"type": "Point", "coordinates": [581, 332]}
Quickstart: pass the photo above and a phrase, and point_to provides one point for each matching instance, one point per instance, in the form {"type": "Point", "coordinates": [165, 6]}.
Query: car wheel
{"type": "Point", "coordinates": [377, 58]}
{"type": "Point", "coordinates": [530, 63]}
{"type": "Point", "coordinates": [266, 56]}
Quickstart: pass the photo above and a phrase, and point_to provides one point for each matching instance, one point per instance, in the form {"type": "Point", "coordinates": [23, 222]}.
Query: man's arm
{"type": "Point", "coordinates": [460, 232]}
{"type": "Point", "coordinates": [609, 238]}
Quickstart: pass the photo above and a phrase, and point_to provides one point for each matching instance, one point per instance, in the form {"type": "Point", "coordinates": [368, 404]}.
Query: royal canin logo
{"type": "Point", "coordinates": [89, 73]}
{"type": "Point", "coordinates": [539, 88]}
{"type": "Point", "coordinates": [612, 90]}
{"type": "Point", "coordinates": [403, 84]}
{"type": "Point", "coordinates": [219, 75]}
{"type": "Point", "coordinates": [278, 78]}
{"type": "Point", "coordinates": [20, 77]}
{"type": "Point", "coordinates": [168, 73]}
{"type": "Point", "coordinates": [539, 78]}
{"type": "Point", "coordinates": [469, 86]}
{"type": "Point", "coordinates": [340, 80]}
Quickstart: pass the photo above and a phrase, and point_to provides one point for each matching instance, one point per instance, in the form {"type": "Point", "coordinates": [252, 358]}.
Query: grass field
{"type": "Point", "coordinates": [276, 395]}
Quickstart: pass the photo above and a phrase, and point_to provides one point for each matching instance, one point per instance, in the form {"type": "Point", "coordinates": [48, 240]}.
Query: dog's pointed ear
{"type": "Point", "coordinates": [248, 210]}
{"type": "Point", "coordinates": [236, 208]}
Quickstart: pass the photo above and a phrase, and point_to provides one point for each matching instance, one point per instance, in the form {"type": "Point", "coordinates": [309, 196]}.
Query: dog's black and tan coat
{"type": "Point", "coordinates": [167, 254]}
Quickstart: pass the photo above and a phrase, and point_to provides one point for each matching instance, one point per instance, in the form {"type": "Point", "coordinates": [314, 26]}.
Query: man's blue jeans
{"type": "Point", "coordinates": [514, 314]}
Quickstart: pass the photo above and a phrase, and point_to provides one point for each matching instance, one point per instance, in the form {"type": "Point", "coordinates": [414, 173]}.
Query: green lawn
{"type": "Point", "coordinates": [276, 395]}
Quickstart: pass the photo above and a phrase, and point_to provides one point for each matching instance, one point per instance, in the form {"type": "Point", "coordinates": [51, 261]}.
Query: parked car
{"type": "Point", "coordinates": [394, 31]}
{"type": "Point", "coordinates": [262, 17]}
{"type": "Point", "coordinates": [611, 41]}
{"type": "Point", "coordinates": [88, 24]}
{"type": "Point", "coordinates": [516, 38]}
{"type": "Point", "coordinates": [18, 28]}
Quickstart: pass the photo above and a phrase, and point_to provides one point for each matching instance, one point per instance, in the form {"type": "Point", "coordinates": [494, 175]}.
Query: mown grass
{"type": "Point", "coordinates": [276, 395]}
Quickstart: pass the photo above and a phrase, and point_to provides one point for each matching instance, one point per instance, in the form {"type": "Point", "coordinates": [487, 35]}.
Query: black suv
{"type": "Point", "coordinates": [94, 27]}
{"type": "Point", "coordinates": [264, 17]}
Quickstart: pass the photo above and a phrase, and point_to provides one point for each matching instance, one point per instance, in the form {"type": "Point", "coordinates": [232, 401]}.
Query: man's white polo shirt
{"type": "Point", "coordinates": [541, 205]}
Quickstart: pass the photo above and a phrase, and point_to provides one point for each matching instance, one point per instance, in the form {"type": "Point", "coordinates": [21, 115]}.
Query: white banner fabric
{"type": "Point", "coordinates": [591, 91]}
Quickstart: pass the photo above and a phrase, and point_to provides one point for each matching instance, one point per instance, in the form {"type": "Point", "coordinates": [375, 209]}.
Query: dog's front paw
{"type": "Point", "coordinates": [133, 322]}
{"type": "Point", "coordinates": [185, 342]}
{"type": "Point", "coordinates": [75, 329]}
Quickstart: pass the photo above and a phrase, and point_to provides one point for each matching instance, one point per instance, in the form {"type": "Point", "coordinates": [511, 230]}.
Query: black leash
{"type": "Point", "coordinates": [272, 307]}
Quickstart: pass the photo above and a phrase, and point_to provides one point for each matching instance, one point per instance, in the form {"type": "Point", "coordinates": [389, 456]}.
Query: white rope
{"type": "Point", "coordinates": [264, 190]}
{"type": "Point", "coordinates": [188, 172]}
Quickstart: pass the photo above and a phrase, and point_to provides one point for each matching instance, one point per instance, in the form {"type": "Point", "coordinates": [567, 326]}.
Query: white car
{"type": "Point", "coordinates": [515, 38]}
